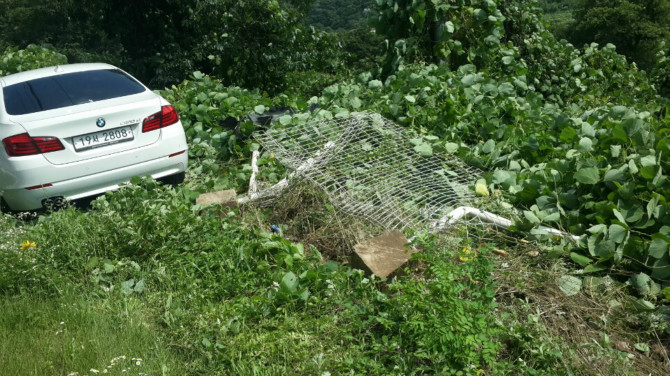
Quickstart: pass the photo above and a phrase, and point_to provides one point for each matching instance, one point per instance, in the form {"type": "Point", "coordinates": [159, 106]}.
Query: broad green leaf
{"type": "Point", "coordinates": [92, 262]}
{"type": "Point", "coordinates": [139, 286]}
{"type": "Point", "coordinates": [504, 177]}
{"type": "Point", "coordinates": [109, 268]}
{"type": "Point", "coordinates": [649, 160]}
{"type": "Point", "coordinates": [595, 268]}
{"type": "Point", "coordinates": [652, 206]}
{"type": "Point", "coordinates": [619, 111]}
{"type": "Point", "coordinates": [451, 147]}
{"type": "Point", "coordinates": [587, 175]}
{"type": "Point", "coordinates": [285, 119]}
{"type": "Point", "coordinates": [661, 268]}
{"type": "Point", "coordinates": [570, 285]}
{"type": "Point", "coordinates": [531, 217]}
{"type": "Point", "coordinates": [506, 89]}
{"type": "Point", "coordinates": [658, 248]}
{"type": "Point", "coordinates": [618, 216]}
{"type": "Point", "coordinates": [615, 150]}
{"type": "Point", "coordinates": [585, 145]}
{"type": "Point", "coordinates": [416, 141]}
{"type": "Point", "coordinates": [580, 259]}
{"type": "Point", "coordinates": [642, 347]}
{"type": "Point", "coordinates": [468, 80]}
{"type": "Point", "coordinates": [642, 305]}
{"type": "Point", "coordinates": [355, 103]}
{"type": "Point", "coordinates": [127, 287]}
{"type": "Point", "coordinates": [588, 130]}
{"type": "Point", "coordinates": [521, 84]}
{"type": "Point", "coordinates": [617, 174]}
{"type": "Point", "coordinates": [568, 134]}
{"type": "Point", "coordinates": [410, 98]}
{"type": "Point", "coordinates": [488, 147]}
{"type": "Point", "coordinates": [605, 249]}
{"type": "Point", "coordinates": [598, 229]}
{"type": "Point", "coordinates": [617, 233]}
{"type": "Point", "coordinates": [424, 149]}
{"type": "Point", "coordinates": [553, 217]}
{"type": "Point", "coordinates": [375, 84]}
{"type": "Point", "coordinates": [633, 126]}
{"type": "Point", "coordinates": [289, 283]}
{"type": "Point", "coordinates": [649, 172]}
{"type": "Point", "coordinates": [644, 284]}
{"type": "Point", "coordinates": [259, 109]}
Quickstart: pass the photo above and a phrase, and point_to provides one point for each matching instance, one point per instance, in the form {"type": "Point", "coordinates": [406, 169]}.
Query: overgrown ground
{"type": "Point", "coordinates": [145, 276]}
{"type": "Point", "coordinates": [575, 138]}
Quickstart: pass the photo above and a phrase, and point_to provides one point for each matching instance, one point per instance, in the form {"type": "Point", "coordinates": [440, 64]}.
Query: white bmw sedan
{"type": "Point", "coordinates": [74, 131]}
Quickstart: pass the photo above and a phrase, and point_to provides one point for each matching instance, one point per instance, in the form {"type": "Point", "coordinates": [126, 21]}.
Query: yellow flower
{"type": "Point", "coordinates": [467, 254]}
{"type": "Point", "coordinates": [28, 244]}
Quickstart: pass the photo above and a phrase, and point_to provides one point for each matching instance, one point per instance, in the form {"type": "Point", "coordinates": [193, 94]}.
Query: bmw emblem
{"type": "Point", "coordinates": [100, 122]}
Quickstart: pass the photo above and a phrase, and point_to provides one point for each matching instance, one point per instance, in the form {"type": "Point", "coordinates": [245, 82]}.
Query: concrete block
{"type": "Point", "coordinates": [227, 198]}
{"type": "Point", "coordinates": [382, 255]}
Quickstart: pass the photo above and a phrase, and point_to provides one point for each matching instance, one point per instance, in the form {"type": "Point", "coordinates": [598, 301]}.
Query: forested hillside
{"type": "Point", "coordinates": [338, 15]}
{"type": "Point", "coordinates": [637, 28]}
{"type": "Point", "coordinates": [556, 6]}
{"type": "Point", "coordinates": [569, 136]}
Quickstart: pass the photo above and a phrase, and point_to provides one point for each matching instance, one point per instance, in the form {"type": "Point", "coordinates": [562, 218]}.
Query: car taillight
{"type": "Point", "coordinates": [161, 119]}
{"type": "Point", "coordinates": [22, 145]}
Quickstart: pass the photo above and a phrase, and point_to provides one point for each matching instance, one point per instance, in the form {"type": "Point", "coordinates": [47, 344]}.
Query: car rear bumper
{"type": "Point", "coordinates": [89, 185]}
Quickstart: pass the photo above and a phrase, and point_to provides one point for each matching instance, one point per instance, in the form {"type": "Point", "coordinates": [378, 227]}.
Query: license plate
{"type": "Point", "coordinates": [102, 138]}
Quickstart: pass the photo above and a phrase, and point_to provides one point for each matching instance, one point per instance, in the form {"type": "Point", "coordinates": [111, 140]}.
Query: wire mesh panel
{"type": "Point", "coordinates": [369, 167]}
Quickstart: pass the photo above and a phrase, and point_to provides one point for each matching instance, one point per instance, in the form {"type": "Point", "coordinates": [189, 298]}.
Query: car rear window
{"type": "Point", "coordinates": [69, 89]}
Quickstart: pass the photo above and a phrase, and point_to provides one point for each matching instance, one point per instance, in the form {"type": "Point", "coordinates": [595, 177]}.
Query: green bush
{"type": "Point", "coordinates": [14, 60]}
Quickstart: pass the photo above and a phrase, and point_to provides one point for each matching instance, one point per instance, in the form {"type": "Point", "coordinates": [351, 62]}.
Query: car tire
{"type": "Point", "coordinates": [4, 208]}
{"type": "Point", "coordinates": [174, 179]}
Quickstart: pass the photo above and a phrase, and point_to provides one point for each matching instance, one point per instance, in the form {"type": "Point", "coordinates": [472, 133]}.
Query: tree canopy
{"type": "Point", "coordinates": [250, 43]}
{"type": "Point", "coordinates": [636, 28]}
{"type": "Point", "coordinates": [340, 14]}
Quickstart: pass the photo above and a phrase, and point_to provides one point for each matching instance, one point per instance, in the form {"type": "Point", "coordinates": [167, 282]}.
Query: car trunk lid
{"type": "Point", "coordinates": [95, 129]}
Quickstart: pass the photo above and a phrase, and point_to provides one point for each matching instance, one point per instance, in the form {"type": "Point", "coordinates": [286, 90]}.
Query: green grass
{"type": "Point", "coordinates": [75, 333]}
{"type": "Point", "coordinates": [194, 293]}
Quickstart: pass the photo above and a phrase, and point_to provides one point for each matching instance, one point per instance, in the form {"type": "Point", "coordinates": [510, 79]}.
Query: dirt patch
{"type": "Point", "coordinates": [595, 326]}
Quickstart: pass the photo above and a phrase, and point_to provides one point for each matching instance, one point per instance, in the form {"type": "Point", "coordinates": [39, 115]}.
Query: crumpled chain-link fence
{"type": "Point", "coordinates": [372, 168]}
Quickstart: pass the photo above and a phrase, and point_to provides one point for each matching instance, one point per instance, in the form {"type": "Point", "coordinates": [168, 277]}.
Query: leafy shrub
{"type": "Point", "coordinates": [441, 322]}
{"type": "Point", "coordinates": [14, 60]}
{"type": "Point", "coordinates": [661, 71]}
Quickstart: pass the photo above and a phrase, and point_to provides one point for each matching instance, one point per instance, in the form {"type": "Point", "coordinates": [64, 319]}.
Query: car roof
{"type": "Point", "coordinates": [51, 71]}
